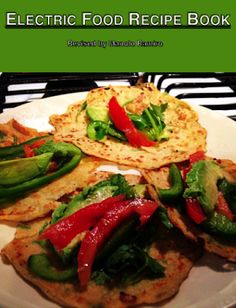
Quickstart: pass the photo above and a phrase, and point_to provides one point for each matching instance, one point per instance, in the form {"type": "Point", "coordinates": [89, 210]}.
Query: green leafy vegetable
{"type": "Point", "coordinates": [155, 116]}
{"type": "Point", "coordinates": [100, 277]}
{"type": "Point", "coordinates": [128, 265]}
{"type": "Point", "coordinates": [114, 132]}
{"type": "Point", "coordinates": [120, 236]}
{"type": "Point", "coordinates": [97, 130]}
{"type": "Point", "coordinates": [126, 260]}
{"type": "Point", "coordinates": [139, 121]}
{"type": "Point", "coordinates": [152, 122]}
{"type": "Point", "coordinates": [123, 186]}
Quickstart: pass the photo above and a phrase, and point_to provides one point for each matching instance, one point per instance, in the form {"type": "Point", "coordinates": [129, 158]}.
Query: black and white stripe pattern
{"type": "Point", "coordinates": [216, 91]}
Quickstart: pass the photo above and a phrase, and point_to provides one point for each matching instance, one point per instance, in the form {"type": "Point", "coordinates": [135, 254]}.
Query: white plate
{"type": "Point", "coordinates": [212, 281]}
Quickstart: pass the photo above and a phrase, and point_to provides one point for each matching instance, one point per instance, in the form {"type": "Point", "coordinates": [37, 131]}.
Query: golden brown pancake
{"type": "Point", "coordinates": [186, 135]}
{"type": "Point", "coordinates": [171, 249]}
{"type": "Point", "coordinates": [159, 179]}
{"type": "Point", "coordinates": [44, 200]}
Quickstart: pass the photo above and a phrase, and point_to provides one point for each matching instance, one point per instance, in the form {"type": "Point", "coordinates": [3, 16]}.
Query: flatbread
{"type": "Point", "coordinates": [39, 203]}
{"type": "Point", "coordinates": [159, 179]}
{"type": "Point", "coordinates": [186, 134]}
{"type": "Point", "coordinates": [172, 249]}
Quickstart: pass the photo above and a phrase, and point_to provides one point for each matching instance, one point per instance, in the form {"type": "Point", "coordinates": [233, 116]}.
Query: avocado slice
{"type": "Point", "coordinates": [17, 171]}
{"type": "Point", "coordinates": [140, 191]}
{"type": "Point", "coordinates": [98, 113]}
{"type": "Point", "coordinates": [202, 184]}
{"type": "Point", "coordinates": [100, 194]}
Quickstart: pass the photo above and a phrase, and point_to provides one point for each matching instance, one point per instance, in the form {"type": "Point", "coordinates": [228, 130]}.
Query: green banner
{"type": "Point", "coordinates": [127, 35]}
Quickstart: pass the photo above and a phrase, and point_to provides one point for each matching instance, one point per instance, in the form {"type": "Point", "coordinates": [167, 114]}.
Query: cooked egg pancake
{"type": "Point", "coordinates": [159, 179]}
{"type": "Point", "coordinates": [171, 249]}
{"type": "Point", "coordinates": [44, 200]}
{"type": "Point", "coordinates": [186, 135]}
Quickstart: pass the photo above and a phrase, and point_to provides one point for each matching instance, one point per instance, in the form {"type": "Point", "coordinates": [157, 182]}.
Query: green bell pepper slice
{"type": "Point", "coordinates": [40, 266]}
{"type": "Point", "coordinates": [39, 181]}
{"type": "Point", "coordinates": [18, 150]}
{"type": "Point", "coordinates": [16, 171]}
{"type": "Point", "coordinates": [220, 225]}
{"type": "Point", "coordinates": [97, 130]}
{"type": "Point", "coordinates": [177, 188]}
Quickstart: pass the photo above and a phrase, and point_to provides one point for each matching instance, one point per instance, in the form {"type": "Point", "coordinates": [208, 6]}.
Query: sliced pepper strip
{"type": "Point", "coordinates": [18, 150]}
{"type": "Point", "coordinates": [40, 265]}
{"type": "Point", "coordinates": [95, 238]}
{"type": "Point", "coordinates": [121, 120]}
{"type": "Point", "coordinates": [199, 155]}
{"type": "Point", "coordinates": [138, 139]}
{"type": "Point", "coordinates": [28, 151]}
{"type": "Point", "coordinates": [223, 207]}
{"type": "Point", "coordinates": [39, 181]}
{"type": "Point", "coordinates": [194, 210]}
{"type": "Point", "coordinates": [61, 233]}
{"type": "Point", "coordinates": [177, 186]}
{"type": "Point", "coordinates": [37, 143]}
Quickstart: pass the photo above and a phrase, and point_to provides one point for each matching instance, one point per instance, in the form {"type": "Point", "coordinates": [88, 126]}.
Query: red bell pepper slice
{"type": "Point", "coordinates": [223, 207]}
{"type": "Point", "coordinates": [37, 144]}
{"type": "Point", "coordinates": [124, 124]}
{"type": "Point", "coordinates": [28, 151]}
{"type": "Point", "coordinates": [194, 210]}
{"type": "Point", "coordinates": [199, 155]}
{"type": "Point", "coordinates": [61, 233]}
{"type": "Point", "coordinates": [138, 139]}
{"type": "Point", "coordinates": [95, 238]}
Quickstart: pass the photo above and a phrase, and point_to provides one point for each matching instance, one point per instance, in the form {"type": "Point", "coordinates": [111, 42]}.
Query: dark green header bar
{"type": "Point", "coordinates": [116, 27]}
{"type": "Point", "coordinates": [128, 35]}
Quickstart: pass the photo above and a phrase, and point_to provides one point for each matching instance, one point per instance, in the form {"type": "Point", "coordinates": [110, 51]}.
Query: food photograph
{"type": "Point", "coordinates": [118, 190]}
